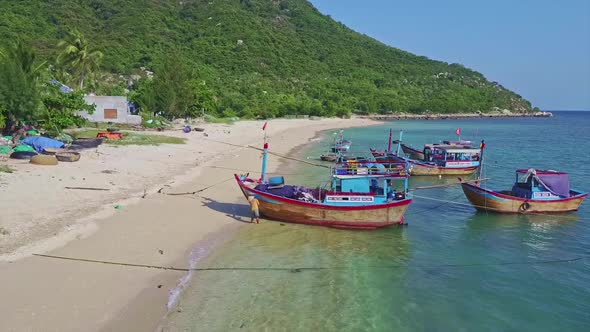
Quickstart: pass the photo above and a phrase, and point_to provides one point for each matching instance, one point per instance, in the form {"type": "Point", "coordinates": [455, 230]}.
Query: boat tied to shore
{"type": "Point", "coordinates": [338, 148]}
{"type": "Point", "coordinates": [449, 158]}
{"type": "Point", "coordinates": [340, 144]}
{"type": "Point", "coordinates": [362, 195]}
{"type": "Point", "coordinates": [534, 191]}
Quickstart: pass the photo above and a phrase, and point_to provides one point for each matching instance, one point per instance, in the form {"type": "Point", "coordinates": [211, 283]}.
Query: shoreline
{"type": "Point", "coordinates": [219, 239]}
{"type": "Point", "coordinates": [454, 116]}
{"type": "Point", "coordinates": [159, 230]}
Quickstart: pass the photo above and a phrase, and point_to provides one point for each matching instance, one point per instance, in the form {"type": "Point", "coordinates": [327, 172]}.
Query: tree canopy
{"type": "Point", "coordinates": [28, 93]}
{"type": "Point", "coordinates": [248, 58]}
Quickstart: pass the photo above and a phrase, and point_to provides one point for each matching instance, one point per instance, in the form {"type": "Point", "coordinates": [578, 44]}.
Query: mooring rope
{"type": "Point", "coordinates": [429, 209]}
{"type": "Point", "coordinates": [446, 185]}
{"type": "Point", "coordinates": [306, 268]}
{"type": "Point", "coordinates": [160, 191]}
{"type": "Point", "coordinates": [249, 170]}
{"type": "Point", "coordinates": [443, 200]}
{"type": "Point", "coordinates": [269, 152]}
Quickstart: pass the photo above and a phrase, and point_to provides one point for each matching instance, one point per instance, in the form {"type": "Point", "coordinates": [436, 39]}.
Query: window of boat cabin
{"type": "Point", "coordinates": [378, 186]}
{"type": "Point", "coordinates": [526, 180]}
{"type": "Point", "coordinates": [358, 185]}
{"type": "Point", "coordinates": [337, 185]}
{"type": "Point", "coordinates": [438, 154]}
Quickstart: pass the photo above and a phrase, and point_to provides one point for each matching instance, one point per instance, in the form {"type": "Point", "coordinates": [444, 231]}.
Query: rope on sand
{"type": "Point", "coordinates": [160, 191]}
{"type": "Point", "coordinates": [301, 269]}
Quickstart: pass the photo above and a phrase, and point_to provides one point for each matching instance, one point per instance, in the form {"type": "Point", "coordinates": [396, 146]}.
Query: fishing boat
{"type": "Point", "coordinates": [350, 158]}
{"type": "Point", "coordinates": [446, 160]}
{"type": "Point", "coordinates": [362, 195]}
{"type": "Point", "coordinates": [331, 157]}
{"type": "Point", "coordinates": [411, 152]}
{"type": "Point", "coordinates": [438, 159]}
{"type": "Point", "coordinates": [340, 144]}
{"type": "Point", "coordinates": [534, 191]}
{"type": "Point", "coordinates": [416, 154]}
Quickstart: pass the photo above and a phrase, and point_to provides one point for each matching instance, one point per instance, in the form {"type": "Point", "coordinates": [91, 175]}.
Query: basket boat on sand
{"type": "Point", "coordinates": [68, 156]}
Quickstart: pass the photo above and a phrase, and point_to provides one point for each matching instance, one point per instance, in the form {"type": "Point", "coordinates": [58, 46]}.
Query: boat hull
{"type": "Point", "coordinates": [412, 153]}
{"type": "Point", "coordinates": [417, 168]}
{"type": "Point", "coordinates": [350, 217]}
{"type": "Point", "coordinates": [329, 157]}
{"type": "Point", "coordinates": [487, 200]}
{"type": "Point", "coordinates": [422, 169]}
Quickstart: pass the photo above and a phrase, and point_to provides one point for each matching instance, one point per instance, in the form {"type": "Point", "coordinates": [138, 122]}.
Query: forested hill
{"type": "Point", "coordinates": [254, 57]}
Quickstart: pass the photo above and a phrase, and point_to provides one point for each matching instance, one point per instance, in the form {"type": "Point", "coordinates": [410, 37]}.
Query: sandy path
{"type": "Point", "coordinates": [43, 294]}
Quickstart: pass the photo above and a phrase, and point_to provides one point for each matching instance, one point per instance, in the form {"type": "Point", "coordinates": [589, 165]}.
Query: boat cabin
{"type": "Point", "coordinates": [358, 183]}
{"type": "Point", "coordinates": [341, 145]}
{"type": "Point", "coordinates": [541, 185]}
{"type": "Point", "coordinates": [451, 155]}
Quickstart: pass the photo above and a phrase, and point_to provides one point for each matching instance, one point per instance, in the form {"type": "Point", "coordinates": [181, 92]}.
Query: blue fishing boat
{"type": "Point", "coordinates": [361, 195]}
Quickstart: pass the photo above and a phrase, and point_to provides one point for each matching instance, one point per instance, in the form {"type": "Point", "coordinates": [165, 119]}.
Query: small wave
{"type": "Point", "coordinates": [195, 256]}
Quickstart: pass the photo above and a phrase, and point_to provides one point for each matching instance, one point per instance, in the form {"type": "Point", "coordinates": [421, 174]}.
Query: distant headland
{"type": "Point", "coordinates": [432, 116]}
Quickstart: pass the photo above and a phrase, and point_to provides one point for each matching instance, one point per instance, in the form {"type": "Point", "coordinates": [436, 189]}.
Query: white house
{"type": "Point", "coordinates": [110, 109]}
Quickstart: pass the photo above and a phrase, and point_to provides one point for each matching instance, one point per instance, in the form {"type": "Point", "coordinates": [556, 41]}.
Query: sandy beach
{"type": "Point", "coordinates": [129, 223]}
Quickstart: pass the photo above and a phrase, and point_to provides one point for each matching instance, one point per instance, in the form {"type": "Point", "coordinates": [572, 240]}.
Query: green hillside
{"type": "Point", "coordinates": [249, 58]}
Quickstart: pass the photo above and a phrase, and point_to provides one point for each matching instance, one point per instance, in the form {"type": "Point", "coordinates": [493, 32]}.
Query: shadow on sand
{"type": "Point", "coordinates": [239, 212]}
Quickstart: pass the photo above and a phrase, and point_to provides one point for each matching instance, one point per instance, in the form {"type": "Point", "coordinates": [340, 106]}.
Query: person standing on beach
{"type": "Point", "coordinates": [254, 207]}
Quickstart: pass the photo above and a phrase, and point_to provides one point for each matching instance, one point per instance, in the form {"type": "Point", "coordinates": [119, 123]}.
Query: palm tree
{"type": "Point", "coordinates": [78, 56]}
{"type": "Point", "coordinates": [20, 76]}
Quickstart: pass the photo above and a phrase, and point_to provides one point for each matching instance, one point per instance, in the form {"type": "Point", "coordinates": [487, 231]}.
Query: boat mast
{"type": "Point", "coordinates": [399, 142]}
{"type": "Point", "coordinates": [264, 159]}
{"type": "Point", "coordinates": [389, 143]}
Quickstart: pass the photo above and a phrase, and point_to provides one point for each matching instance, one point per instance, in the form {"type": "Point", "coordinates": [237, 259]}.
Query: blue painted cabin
{"type": "Point", "coordinates": [361, 183]}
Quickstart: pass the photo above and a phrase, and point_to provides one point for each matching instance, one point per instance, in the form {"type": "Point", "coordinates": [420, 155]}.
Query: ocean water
{"type": "Point", "coordinates": [450, 269]}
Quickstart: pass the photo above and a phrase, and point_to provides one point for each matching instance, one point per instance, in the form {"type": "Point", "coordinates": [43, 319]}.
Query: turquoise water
{"type": "Point", "coordinates": [450, 269]}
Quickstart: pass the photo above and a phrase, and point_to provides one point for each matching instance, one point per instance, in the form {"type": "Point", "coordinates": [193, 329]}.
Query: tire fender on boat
{"type": "Point", "coordinates": [524, 206]}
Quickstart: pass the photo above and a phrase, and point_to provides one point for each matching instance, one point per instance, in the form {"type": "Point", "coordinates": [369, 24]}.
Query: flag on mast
{"type": "Point", "coordinates": [458, 132]}
{"type": "Point", "coordinates": [264, 125]}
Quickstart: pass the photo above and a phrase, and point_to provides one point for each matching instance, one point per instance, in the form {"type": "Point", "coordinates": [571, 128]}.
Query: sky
{"type": "Point", "coordinates": [539, 49]}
